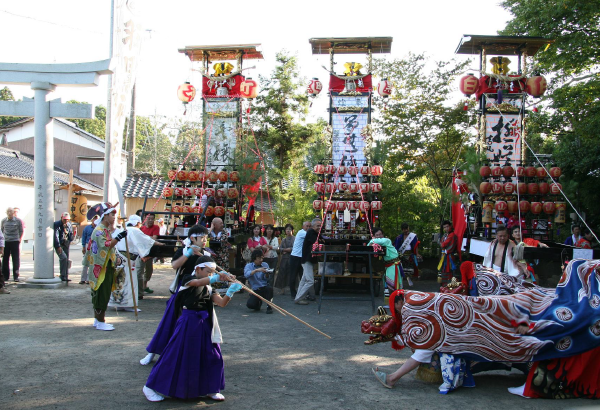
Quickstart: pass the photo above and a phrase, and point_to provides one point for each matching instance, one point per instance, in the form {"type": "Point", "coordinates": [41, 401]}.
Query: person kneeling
{"type": "Point", "coordinates": [257, 272]}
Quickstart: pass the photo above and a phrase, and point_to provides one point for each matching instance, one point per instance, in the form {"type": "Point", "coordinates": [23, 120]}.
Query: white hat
{"type": "Point", "coordinates": [134, 220]}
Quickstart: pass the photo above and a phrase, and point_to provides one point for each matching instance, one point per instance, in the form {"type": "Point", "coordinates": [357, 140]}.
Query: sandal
{"type": "Point", "coordinates": [216, 397]}
{"type": "Point", "coordinates": [381, 377]}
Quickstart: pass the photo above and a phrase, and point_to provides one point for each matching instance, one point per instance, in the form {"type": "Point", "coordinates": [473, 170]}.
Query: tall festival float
{"type": "Point", "coordinates": [516, 185]}
{"type": "Point", "coordinates": [348, 188]}
{"type": "Point", "coordinates": [216, 184]}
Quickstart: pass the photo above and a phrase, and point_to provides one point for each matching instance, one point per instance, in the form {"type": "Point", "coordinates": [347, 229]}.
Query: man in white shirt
{"type": "Point", "coordinates": [295, 264]}
{"type": "Point", "coordinates": [499, 255]}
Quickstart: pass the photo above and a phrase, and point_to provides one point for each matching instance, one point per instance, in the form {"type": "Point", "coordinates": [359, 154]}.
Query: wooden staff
{"type": "Point", "coordinates": [273, 305]}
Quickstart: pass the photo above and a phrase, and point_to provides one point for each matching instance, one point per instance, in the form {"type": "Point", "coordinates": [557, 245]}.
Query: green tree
{"type": "Point", "coordinates": [7, 95]}
{"type": "Point", "coordinates": [568, 128]}
{"type": "Point", "coordinates": [153, 147]}
{"type": "Point", "coordinates": [423, 134]}
{"type": "Point", "coordinates": [96, 125]}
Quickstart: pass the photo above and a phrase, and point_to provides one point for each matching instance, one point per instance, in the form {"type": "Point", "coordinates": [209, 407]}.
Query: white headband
{"type": "Point", "coordinates": [108, 211]}
{"type": "Point", "coordinates": [187, 242]}
{"type": "Point", "coordinates": [206, 265]}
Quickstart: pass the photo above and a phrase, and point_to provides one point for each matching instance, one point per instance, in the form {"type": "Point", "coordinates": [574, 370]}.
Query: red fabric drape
{"type": "Point", "coordinates": [458, 216]}
{"type": "Point", "coordinates": [233, 91]}
{"type": "Point", "coordinates": [337, 85]}
{"type": "Point", "coordinates": [488, 85]}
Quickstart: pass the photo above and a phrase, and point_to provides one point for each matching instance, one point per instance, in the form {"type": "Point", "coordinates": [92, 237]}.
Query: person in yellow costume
{"type": "Point", "coordinates": [100, 255]}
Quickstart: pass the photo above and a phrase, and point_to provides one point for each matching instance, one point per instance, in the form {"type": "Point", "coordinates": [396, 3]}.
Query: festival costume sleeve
{"type": "Point", "coordinates": [488, 259]}
{"type": "Point", "coordinates": [98, 255]}
{"type": "Point", "coordinates": [531, 242]}
{"type": "Point", "coordinates": [140, 241]}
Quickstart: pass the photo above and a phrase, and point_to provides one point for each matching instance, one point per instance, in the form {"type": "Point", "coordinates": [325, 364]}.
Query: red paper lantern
{"type": "Point", "coordinates": [192, 176]}
{"type": "Point", "coordinates": [544, 188]}
{"type": "Point", "coordinates": [353, 205]}
{"type": "Point", "coordinates": [220, 193]}
{"type": "Point", "coordinates": [186, 209]}
{"type": "Point", "coordinates": [353, 187]}
{"type": "Point", "coordinates": [198, 191]}
{"type": "Point", "coordinates": [522, 188]}
{"type": "Point", "coordinates": [353, 170]}
{"type": "Point", "coordinates": [508, 171]}
{"type": "Point", "coordinates": [320, 187]}
{"type": "Point", "coordinates": [496, 171]}
{"type": "Point", "coordinates": [234, 176]}
{"type": "Point", "coordinates": [384, 88]}
{"type": "Point", "coordinates": [319, 169]}
{"type": "Point", "coordinates": [468, 84]}
{"type": "Point", "coordinates": [365, 170]}
{"type": "Point", "coordinates": [530, 172]}
{"type": "Point", "coordinates": [329, 206]}
{"type": "Point", "coordinates": [536, 86]}
{"type": "Point", "coordinates": [520, 171]}
{"type": "Point", "coordinates": [501, 206]}
{"type": "Point", "coordinates": [342, 170]}
{"type": "Point", "coordinates": [201, 176]}
{"type": "Point", "coordinates": [512, 206]}
{"type": "Point", "coordinates": [210, 210]}
{"type": "Point", "coordinates": [497, 188]}
{"type": "Point", "coordinates": [524, 206]}
{"type": "Point", "coordinates": [330, 187]}
{"type": "Point", "coordinates": [248, 89]}
{"type": "Point", "coordinates": [186, 92]}
{"type": "Point", "coordinates": [533, 188]}
{"type": "Point", "coordinates": [343, 186]}
{"type": "Point", "coordinates": [555, 172]}
{"type": "Point", "coordinates": [541, 172]}
{"type": "Point", "coordinates": [536, 208]}
{"type": "Point", "coordinates": [375, 187]}
{"type": "Point", "coordinates": [376, 205]}
{"type": "Point", "coordinates": [197, 209]}
{"type": "Point", "coordinates": [364, 187]}
{"type": "Point", "coordinates": [555, 188]}
{"type": "Point", "coordinates": [213, 176]}
{"type": "Point", "coordinates": [176, 208]}
{"type": "Point", "coordinates": [318, 205]}
{"type": "Point", "coordinates": [509, 187]}
{"type": "Point", "coordinates": [167, 191]}
{"type": "Point", "coordinates": [330, 169]}
{"type": "Point", "coordinates": [178, 191]}
{"type": "Point", "coordinates": [485, 188]}
{"type": "Point", "coordinates": [171, 174]}
{"type": "Point", "coordinates": [549, 208]}
{"type": "Point", "coordinates": [209, 192]}
{"type": "Point", "coordinates": [340, 205]}
{"type": "Point", "coordinates": [314, 87]}
{"type": "Point", "coordinates": [223, 176]}
{"type": "Point", "coordinates": [232, 193]}
{"type": "Point", "coordinates": [187, 191]}
{"type": "Point", "coordinates": [485, 171]}
{"type": "Point", "coordinates": [182, 175]}
{"type": "Point", "coordinates": [364, 206]}
{"type": "Point", "coordinates": [376, 170]}
{"type": "Point", "coordinates": [219, 211]}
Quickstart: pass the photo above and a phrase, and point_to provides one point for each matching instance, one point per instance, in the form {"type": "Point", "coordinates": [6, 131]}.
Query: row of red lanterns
{"type": "Point", "coordinates": [212, 176]}
{"type": "Point", "coordinates": [531, 188]}
{"type": "Point", "coordinates": [331, 187]}
{"type": "Point", "coordinates": [186, 209]}
{"type": "Point", "coordinates": [331, 206]}
{"type": "Point", "coordinates": [230, 193]}
{"type": "Point", "coordinates": [186, 92]}
{"type": "Point", "coordinates": [525, 206]}
{"type": "Point", "coordinates": [384, 88]}
{"type": "Point", "coordinates": [508, 171]}
{"type": "Point", "coordinates": [534, 86]}
{"type": "Point", "coordinates": [353, 170]}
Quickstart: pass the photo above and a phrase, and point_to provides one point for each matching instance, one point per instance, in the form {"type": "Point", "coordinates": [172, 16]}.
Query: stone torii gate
{"type": "Point", "coordinates": [44, 78]}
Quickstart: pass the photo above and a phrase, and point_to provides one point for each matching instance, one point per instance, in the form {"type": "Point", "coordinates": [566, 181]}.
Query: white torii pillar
{"type": "Point", "coordinates": [44, 78]}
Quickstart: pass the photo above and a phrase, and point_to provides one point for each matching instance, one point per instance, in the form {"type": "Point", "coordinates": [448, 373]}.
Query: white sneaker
{"type": "Point", "coordinates": [151, 395]}
{"type": "Point", "coordinates": [130, 309]}
{"type": "Point", "coordinates": [216, 397]}
{"type": "Point", "coordinates": [147, 359]}
{"type": "Point", "coordinates": [519, 391]}
{"type": "Point", "coordinates": [104, 326]}
{"type": "Point", "coordinates": [95, 322]}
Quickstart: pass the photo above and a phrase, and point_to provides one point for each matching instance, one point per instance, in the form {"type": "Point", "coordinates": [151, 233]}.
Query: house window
{"type": "Point", "coordinates": [91, 167]}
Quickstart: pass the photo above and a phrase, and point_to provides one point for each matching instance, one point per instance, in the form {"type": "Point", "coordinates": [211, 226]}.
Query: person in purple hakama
{"type": "Point", "coordinates": [191, 364]}
{"type": "Point", "coordinates": [183, 262]}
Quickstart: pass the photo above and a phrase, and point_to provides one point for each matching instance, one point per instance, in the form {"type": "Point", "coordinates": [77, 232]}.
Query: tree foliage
{"type": "Point", "coordinates": [153, 147]}
{"type": "Point", "coordinates": [6, 95]}
{"type": "Point", "coordinates": [569, 126]}
{"type": "Point", "coordinates": [96, 125]}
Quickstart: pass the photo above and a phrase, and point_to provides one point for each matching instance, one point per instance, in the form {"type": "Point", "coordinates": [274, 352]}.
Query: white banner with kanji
{"type": "Point", "coordinates": [503, 139]}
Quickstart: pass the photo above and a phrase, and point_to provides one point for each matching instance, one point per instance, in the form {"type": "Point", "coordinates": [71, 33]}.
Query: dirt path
{"type": "Point", "coordinates": [52, 358]}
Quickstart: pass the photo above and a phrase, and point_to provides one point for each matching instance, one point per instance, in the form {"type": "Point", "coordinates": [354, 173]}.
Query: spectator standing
{"type": "Point", "coordinates": [575, 237]}
{"type": "Point", "coordinates": [272, 247]}
{"type": "Point", "coordinates": [162, 228]}
{"type": "Point", "coordinates": [305, 288]}
{"type": "Point", "coordinates": [145, 268]}
{"type": "Point", "coordinates": [16, 211]}
{"type": "Point", "coordinates": [12, 229]}
{"type": "Point", "coordinates": [585, 241]}
{"type": "Point", "coordinates": [257, 273]}
{"type": "Point", "coordinates": [219, 243]}
{"type": "Point", "coordinates": [85, 238]}
{"type": "Point", "coordinates": [296, 257]}
{"type": "Point", "coordinates": [285, 248]}
{"type": "Point", "coordinates": [63, 236]}
{"type": "Point", "coordinates": [257, 241]}
{"type": "Point", "coordinates": [3, 289]}
{"type": "Point", "coordinates": [406, 245]}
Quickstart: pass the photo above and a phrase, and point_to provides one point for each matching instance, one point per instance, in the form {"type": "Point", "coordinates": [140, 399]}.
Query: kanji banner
{"type": "Point", "coordinates": [348, 144]}
{"type": "Point", "coordinates": [503, 139]}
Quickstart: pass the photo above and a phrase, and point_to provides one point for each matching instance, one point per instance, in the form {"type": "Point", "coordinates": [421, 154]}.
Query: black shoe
{"type": "Point", "coordinates": [140, 297]}
{"type": "Point", "coordinates": [311, 298]}
{"type": "Point", "coordinates": [16, 280]}
{"type": "Point", "coordinates": [66, 280]}
{"type": "Point", "coordinates": [269, 310]}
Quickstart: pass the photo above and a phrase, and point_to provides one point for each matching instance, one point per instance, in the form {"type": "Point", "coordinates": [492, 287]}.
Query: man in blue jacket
{"type": "Point", "coordinates": [257, 272]}
{"type": "Point", "coordinates": [85, 238]}
{"type": "Point", "coordinates": [63, 236]}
